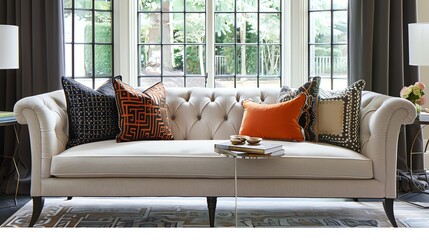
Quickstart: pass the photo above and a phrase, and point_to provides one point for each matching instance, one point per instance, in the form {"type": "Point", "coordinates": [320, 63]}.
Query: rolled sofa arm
{"type": "Point", "coordinates": [381, 119]}
{"type": "Point", "coordinates": [46, 116]}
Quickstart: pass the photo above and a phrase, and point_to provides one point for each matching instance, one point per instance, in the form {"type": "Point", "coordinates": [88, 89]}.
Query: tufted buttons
{"type": "Point", "coordinates": [173, 117]}
{"type": "Point", "coordinates": [262, 98]}
{"type": "Point", "coordinates": [199, 117]}
{"type": "Point", "coordinates": [225, 118]}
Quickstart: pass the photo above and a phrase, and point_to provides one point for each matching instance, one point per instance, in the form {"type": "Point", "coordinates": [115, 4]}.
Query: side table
{"type": "Point", "coordinates": [414, 175]}
{"type": "Point", "coordinates": [234, 155]}
{"type": "Point", "coordinates": [5, 122]}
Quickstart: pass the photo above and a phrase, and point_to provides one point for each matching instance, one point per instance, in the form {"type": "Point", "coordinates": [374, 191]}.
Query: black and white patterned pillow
{"type": "Point", "coordinates": [338, 116]}
{"type": "Point", "coordinates": [308, 117]}
{"type": "Point", "coordinates": [92, 114]}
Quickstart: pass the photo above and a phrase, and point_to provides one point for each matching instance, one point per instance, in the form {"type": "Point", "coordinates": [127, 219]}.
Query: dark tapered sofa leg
{"type": "Point", "coordinates": [211, 205]}
{"type": "Point", "coordinates": [38, 203]}
{"type": "Point", "coordinates": [388, 209]}
{"type": "Point", "coordinates": [69, 198]}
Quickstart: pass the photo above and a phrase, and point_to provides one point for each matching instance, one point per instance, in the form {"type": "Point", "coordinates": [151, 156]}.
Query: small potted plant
{"type": "Point", "coordinates": [414, 93]}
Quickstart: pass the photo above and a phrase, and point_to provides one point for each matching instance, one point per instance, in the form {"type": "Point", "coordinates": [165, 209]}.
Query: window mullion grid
{"type": "Point", "coordinates": [93, 44]}
{"type": "Point", "coordinates": [235, 45]}
{"type": "Point", "coordinates": [184, 43]}
{"type": "Point", "coordinates": [332, 44]}
{"type": "Point", "coordinates": [162, 40]}
{"type": "Point", "coordinates": [73, 39]}
{"type": "Point", "coordinates": [258, 45]}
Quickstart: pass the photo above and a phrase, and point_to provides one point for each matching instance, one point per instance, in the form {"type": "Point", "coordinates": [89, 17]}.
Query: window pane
{"type": "Point", "coordinates": [149, 5]}
{"type": "Point", "coordinates": [320, 60]}
{"type": "Point", "coordinates": [269, 60]}
{"type": "Point", "coordinates": [325, 83]}
{"type": "Point", "coordinates": [320, 4]}
{"type": "Point", "coordinates": [173, 81]}
{"type": "Point", "coordinates": [83, 60]}
{"type": "Point", "coordinates": [146, 82]}
{"type": "Point", "coordinates": [103, 27]}
{"type": "Point", "coordinates": [225, 60]}
{"type": "Point", "coordinates": [100, 81]}
{"type": "Point", "coordinates": [195, 82]}
{"type": "Point", "coordinates": [86, 4]}
{"type": "Point", "coordinates": [270, 28]}
{"type": "Point", "coordinates": [195, 28]}
{"type": "Point", "coordinates": [196, 5]}
{"type": "Point", "coordinates": [103, 5]}
{"type": "Point", "coordinates": [340, 61]}
{"type": "Point", "coordinates": [67, 3]}
{"type": "Point", "coordinates": [320, 27]}
{"type": "Point", "coordinates": [224, 83]}
{"type": "Point", "coordinates": [247, 6]}
{"type": "Point", "coordinates": [246, 28]}
{"type": "Point", "coordinates": [173, 5]}
{"type": "Point", "coordinates": [340, 84]}
{"type": "Point", "coordinates": [173, 23]}
{"type": "Point", "coordinates": [270, 5]}
{"type": "Point", "coordinates": [340, 4]}
{"type": "Point", "coordinates": [247, 57]}
{"type": "Point", "coordinates": [68, 60]}
{"type": "Point", "coordinates": [245, 82]}
{"type": "Point", "coordinates": [340, 27]}
{"type": "Point", "coordinates": [168, 61]}
{"type": "Point", "coordinates": [224, 28]}
{"type": "Point", "coordinates": [68, 25]}
{"type": "Point", "coordinates": [225, 6]}
{"type": "Point", "coordinates": [85, 81]}
{"type": "Point", "coordinates": [150, 60]}
{"type": "Point", "coordinates": [103, 60]}
{"type": "Point", "coordinates": [195, 60]}
{"type": "Point", "coordinates": [269, 82]}
{"type": "Point", "coordinates": [150, 29]}
{"type": "Point", "coordinates": [83, 27]}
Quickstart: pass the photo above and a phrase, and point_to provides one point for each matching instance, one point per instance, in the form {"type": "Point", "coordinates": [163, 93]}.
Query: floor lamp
{"type": "Point", "coordinates": [9, 59]}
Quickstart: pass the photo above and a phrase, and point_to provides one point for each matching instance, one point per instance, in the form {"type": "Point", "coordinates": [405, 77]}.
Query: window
{"type": "Point", "coordinates": [327, 38]}
{"type": "Point", "coordinates": [88, 34]}
{"type": "Point", "coordinates": [173, 42]}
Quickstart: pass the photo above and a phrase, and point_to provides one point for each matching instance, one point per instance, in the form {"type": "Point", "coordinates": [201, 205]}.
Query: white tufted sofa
{"type": "Point", "coordinates": [188, 166]}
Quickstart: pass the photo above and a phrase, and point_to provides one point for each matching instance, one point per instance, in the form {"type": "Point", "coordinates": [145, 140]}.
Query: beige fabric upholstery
{"type": "Point", "coordinates": [198, 113]}
{"type": "Point", "coordinates": [196, 159]}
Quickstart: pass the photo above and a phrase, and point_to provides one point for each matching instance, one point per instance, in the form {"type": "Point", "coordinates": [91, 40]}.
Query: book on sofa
{"type": "Point", "coordinates": [261, 148]}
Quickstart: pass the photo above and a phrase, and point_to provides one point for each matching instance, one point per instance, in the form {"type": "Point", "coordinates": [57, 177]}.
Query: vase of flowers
{"type": "Point", "coordinates": [414, 93]}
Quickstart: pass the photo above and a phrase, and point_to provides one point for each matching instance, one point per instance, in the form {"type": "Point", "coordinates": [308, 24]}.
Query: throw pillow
{"type": "Point", "coordinates": [308, 116]}
{"type": "Point", "coordinates": [338, 116]}
{"type": "Point", "coordinates": [274, 121]}
{"type": "Point", "coordinates": [142, 115]}
{"type": "Point", "coordinates": [92, 113]}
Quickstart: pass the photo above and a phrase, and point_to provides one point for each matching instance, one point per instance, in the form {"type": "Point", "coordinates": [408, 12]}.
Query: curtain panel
{"type": "Point", "coordinates": [378, 53]}
{"type": "Point", "coordinates": [41, 66]}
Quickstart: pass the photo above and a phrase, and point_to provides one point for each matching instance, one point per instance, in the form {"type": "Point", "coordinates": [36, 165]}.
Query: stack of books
{"type": "Point", "coordinates": [247, 150]}
{"type": "Point", "coordinates": [7, 117]}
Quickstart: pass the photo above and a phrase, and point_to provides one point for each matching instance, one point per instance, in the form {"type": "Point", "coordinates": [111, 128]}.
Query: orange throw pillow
{"type": "Point", "coordinates": [274, 121]}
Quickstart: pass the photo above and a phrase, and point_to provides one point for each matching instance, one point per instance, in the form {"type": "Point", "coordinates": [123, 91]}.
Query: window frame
{"type": "Point", "coordinates": [93, 43]}
{"type": "Point", "coordinates": [294, 68]}
{"type": "Point", "coordinates": [331, 44]}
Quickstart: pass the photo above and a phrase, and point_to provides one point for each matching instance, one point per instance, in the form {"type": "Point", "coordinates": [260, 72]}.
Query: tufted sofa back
{"type": "Point", "coordinates": [211, 113]}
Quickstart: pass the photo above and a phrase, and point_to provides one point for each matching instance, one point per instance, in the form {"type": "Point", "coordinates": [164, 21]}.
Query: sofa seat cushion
{"type": "Point", "coordinates": [197, 159]}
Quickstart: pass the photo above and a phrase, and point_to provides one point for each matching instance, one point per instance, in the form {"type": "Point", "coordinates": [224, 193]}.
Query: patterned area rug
{"type": "Point", "coordinates": [192, 212]}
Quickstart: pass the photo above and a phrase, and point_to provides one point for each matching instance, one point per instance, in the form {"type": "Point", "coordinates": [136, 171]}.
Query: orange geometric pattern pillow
{"type": "Point", "coordinates": [274, 121]}
{"type": "Point", "coordinates": [142, 115]}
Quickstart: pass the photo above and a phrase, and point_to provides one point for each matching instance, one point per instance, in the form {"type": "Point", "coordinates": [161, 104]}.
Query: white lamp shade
{"type": "Point", "coordinates": [9, 47]}
{"type": "Point", "coordinates": [418, 35]}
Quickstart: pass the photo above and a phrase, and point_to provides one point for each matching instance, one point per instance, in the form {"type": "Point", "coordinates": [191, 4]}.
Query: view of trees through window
{"type": "Point", "coordinates": [172, 45]}
{"type": "Point", "coordinates": [327, 33]}
{"type": "Point", "coordinates": [172, 42]}
{"type": "Point", "coordinates": [88, 34]}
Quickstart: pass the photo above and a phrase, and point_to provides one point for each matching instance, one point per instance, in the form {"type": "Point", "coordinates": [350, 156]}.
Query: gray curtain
{"type": "Point", "coordinates": [41, 67]}
{"type": "Point", "coordinates": [378, 53]}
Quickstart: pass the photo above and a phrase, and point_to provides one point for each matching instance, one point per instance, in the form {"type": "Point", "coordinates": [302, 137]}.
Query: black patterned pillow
{"type": "Point", "coordinates": [308, 117]}
{"type": "Point", "coordinates": [338, 116]}
{"type": "Point", "coordinates": [92, 114]}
